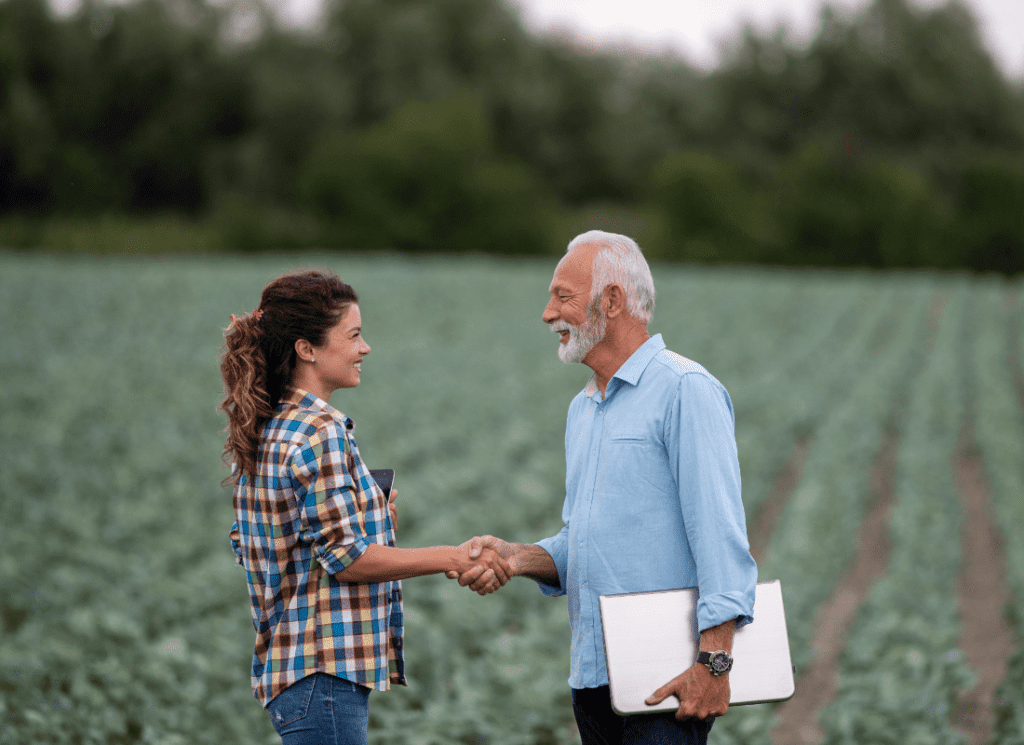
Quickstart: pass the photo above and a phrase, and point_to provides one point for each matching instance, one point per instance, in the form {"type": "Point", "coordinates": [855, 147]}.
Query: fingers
{"type": "Point", "coordinates": [485, 580]}
{"type": "Point", "coordinates": [500, 569]}
{"type": "Point", "coordinates": [492, 587]}
{"type": "Point", "coordinates": [469, 576]}
{"type": "Point", "coordinates": [487, 576]}
{"type": "Point", "coordinates": [481, 542]}
{"type": "Point", "coordinates": [479, 579]}
{"type": "Point", "coordinates": [699, 695]}
{"type": "Point", "coordinates": [660, 695]}
{"type": "Point", "coordinates": [496, 563]}
{"type": "Point", "coordinates": [489, 572]}
{"type": "Point", "coordinates": [392, 507]}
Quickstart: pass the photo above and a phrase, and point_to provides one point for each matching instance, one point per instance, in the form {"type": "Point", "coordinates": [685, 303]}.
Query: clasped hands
{"type": "Point", "coordinates": [487, 563]}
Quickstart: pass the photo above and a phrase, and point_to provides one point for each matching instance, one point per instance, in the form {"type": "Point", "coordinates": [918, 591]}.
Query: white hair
{"type": "Point", "coordinates": [619, 260]}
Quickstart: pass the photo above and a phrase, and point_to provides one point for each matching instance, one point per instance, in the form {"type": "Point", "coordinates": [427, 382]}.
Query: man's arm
{"type": "Point", "coordinates": [524, 560]}
{"type": "Point", "coordinates": [701, 694]}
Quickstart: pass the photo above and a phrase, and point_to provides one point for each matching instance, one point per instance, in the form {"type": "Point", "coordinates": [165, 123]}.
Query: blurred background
{"type": "Point", "coordinates": [881, 134]}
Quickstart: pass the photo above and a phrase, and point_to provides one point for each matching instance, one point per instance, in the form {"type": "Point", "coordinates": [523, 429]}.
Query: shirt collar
{"type": "Point", "coordinates": [634, 367]}
{"type": "Point", "coordinates": [306, 400]}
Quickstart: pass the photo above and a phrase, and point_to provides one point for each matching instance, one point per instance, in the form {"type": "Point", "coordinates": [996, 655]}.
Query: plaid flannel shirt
{"type": "Point", "coordinates": [312, 510]}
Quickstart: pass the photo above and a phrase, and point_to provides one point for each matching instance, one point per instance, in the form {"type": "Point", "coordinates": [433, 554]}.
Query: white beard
{"type": "Point", "coordinates": [582, 338]}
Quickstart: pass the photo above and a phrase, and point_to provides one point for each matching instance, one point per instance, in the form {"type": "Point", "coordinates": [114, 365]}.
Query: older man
{"type": "Point", "coordinates": [652, 493]}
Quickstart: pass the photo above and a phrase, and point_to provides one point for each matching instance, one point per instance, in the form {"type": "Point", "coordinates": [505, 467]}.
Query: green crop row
{"type": "Point", "coordinates": [815, 540]}
{"type": "Point", "coordinates": [789, 401]}
{"type": "Point", "coordinates": [999, 430]}
{"type": "Point", "coordinates": [901, 667]}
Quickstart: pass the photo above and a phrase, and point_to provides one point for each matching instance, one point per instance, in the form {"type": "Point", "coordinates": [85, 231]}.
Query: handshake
{"type": "Point", "coordinates": [485, 564]}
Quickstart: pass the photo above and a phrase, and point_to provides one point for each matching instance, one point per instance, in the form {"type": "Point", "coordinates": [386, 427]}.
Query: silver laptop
{"type": "Point", "coordinates": [651, 637]}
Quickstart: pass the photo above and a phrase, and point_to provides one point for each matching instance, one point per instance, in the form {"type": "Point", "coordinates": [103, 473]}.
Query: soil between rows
{"type": "Point", "coordinates": [986, 639]}
{"type": "Point", "coordinates": [797, 721]}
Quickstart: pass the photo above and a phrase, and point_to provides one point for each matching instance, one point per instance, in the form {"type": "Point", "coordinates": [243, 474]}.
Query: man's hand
{"type": "Point", "coordinates": [487, 569]}
{"type": "Point", "coordinates": [476, 578]}
{"type": "Point", "coordinates": [701, 694]}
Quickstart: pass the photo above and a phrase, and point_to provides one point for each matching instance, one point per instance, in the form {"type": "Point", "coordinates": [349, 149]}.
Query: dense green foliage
{"type": "Point", "coordinates": [428, 174]}
{"type": "Point", "coordinates": [890, 140]}
{"type": "Point", "coordinates": [123, 618]}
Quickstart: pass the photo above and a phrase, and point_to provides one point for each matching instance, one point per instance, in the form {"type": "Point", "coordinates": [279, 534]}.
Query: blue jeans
{"type": "Point", "coordinates": [600, 725]}
{"type": "Point", "coordinates": [321, 709]}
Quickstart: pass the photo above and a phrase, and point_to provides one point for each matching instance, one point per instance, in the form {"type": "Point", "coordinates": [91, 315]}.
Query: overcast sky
{"type": "Point", "coordinates": [696, 28]}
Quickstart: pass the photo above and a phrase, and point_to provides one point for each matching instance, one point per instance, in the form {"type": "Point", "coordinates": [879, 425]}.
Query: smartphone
{"type": "Point", "coordinates": [384, 477]}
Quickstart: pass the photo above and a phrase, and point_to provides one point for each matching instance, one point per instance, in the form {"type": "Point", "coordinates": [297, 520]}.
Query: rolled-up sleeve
{"type": "Point", "coordinates": [701, 443]}
{"type": "Point", "coordinates": [331, 517]}
{"type": "Point", "coordinates": [558, 547]}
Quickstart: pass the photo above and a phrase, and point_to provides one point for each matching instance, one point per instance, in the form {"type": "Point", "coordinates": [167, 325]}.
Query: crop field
{"type": "Point", "coordinates": [879, 418]}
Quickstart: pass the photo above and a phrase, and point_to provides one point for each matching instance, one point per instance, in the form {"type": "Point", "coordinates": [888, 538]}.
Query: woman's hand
{"type": "Point", "coordinates": [393, 508]}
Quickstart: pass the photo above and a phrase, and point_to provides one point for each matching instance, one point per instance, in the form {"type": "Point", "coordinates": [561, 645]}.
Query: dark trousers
{"type": "Point", "coordinates": [600, 725]}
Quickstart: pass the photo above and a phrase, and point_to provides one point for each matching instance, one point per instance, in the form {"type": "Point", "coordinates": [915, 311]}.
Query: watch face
{"type": "Point", "coordinates": [720, 663]}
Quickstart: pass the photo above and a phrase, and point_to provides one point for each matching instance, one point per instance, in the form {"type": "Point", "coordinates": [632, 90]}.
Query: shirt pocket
{"type": "Point", "coordinates": [634, 464]}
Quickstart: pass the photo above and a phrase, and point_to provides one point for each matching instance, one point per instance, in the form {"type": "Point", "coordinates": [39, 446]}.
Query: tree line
{"type": "Point", "coordinates": [890, 140]}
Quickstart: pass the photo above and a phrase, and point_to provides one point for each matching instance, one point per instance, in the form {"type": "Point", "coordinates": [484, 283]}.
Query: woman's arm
{"type": "Point", "coordinates": [384, 563]}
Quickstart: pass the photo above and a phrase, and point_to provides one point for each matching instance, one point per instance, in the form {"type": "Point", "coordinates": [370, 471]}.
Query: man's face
{"type": "Point", "coordinates": [569, 312]}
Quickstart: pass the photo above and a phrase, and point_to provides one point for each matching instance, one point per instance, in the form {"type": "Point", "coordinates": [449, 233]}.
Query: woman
{"type": "Point", "coordinates": [313, 530]}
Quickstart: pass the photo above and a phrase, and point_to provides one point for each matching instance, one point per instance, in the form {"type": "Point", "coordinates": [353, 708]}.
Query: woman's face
{"type": "Point", "coordinates": [338, 361]}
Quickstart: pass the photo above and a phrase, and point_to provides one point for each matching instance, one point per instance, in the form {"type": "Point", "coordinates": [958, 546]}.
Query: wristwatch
{"type": "Point", "coordinates": [718, 662]}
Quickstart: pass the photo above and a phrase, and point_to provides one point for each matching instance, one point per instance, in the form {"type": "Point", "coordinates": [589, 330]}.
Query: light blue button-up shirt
{"type": "Point", "coordinates": [652, 500]}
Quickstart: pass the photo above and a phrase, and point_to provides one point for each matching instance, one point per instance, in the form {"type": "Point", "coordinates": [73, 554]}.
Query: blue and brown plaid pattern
{"type": "Point", "coordinates": [312, 510]}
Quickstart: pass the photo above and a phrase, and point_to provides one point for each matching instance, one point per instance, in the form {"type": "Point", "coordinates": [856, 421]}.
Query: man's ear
{"type": "Point", "coordinates": [614, 301]}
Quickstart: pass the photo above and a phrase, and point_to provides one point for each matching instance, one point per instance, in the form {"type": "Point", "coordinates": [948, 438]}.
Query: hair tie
{"type": "Point", "coordinates": [257, 314]}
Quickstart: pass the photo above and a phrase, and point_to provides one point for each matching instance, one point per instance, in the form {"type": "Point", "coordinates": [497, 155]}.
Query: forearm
{"type": "Point", "coordinates": [718, 637]}
{"type": "Point", "coordinates": [385, 563]}
{"type": "Point", "coordinates": [530, 560]}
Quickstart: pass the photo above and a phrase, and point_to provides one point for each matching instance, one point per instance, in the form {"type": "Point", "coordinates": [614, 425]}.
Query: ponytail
{"type": "Point", "coordinates": [246, 401]}
{"type": "Point", "coordinates": [259, 355]}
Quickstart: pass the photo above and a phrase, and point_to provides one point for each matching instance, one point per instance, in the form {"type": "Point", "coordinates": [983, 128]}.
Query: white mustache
{"type": "Point", "coordinates": [560, 326]}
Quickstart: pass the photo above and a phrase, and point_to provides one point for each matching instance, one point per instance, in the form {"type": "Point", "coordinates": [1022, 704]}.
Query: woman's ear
{"type": "Point", "coordinates": [304, 350]}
